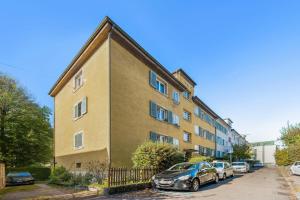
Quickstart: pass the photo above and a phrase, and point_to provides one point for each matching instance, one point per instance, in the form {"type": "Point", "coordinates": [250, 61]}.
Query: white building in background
{"type": "Point", "coordinates": [222, 132]}
{"type": "Point", "coordinates": [264, 152]}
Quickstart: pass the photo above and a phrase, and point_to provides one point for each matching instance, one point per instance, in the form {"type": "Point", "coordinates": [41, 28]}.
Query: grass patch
{"type": "Point", "coordinates": [21, 188]}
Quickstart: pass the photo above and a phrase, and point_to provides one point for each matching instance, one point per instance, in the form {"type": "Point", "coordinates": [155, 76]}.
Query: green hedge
{"type": "Point", "coordinates": [39, 173]}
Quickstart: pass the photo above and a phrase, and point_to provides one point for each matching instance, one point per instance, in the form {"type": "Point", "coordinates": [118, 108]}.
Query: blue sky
{"type": "Point", "coordinates": [244, 55]}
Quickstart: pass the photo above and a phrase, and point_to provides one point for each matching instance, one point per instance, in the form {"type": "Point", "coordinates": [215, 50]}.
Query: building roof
{"type": "Point", "coordinates": [199, 102]}
{"type": "Point", "coordinates": [111, 26]}
{"type": "Point", "coordinates": [263, 143]}
{"type": "Point", "coordinates": [186, 75]}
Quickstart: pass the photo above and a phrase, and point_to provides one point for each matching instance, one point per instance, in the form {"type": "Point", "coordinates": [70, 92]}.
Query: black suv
{"type": "Point", "coordinates": [186, 176]}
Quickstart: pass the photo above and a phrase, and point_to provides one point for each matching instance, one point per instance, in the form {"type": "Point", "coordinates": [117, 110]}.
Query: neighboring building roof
{"type": "Point", "coordinates": [229, 120]}
{"type": "Point", "coordinates": [186, 75]}
{"type": "Point", "coordinates": [113, 26]}
{"type": "Point", "coordinates": [263, 143]}
{"type": "Point", "coordinates": [204, 106]}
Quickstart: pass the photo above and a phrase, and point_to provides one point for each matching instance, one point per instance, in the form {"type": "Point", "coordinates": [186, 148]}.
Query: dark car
{"type": "Point", "coordinates": [19, 178]}
{"type": "Point", "coordinates": [186, 176]}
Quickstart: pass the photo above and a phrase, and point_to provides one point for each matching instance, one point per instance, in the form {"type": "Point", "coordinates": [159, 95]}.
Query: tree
{"type": "Point", "coordinates": [241, 152]}
{"type": "Point", "coordinates": [282, 157]}
{"type": "Point", "coordinates": [290, 135]}
{"type": "Point", "coordinates": [25, 130]}
{"type": "Point", "coordinates": [157, 155]}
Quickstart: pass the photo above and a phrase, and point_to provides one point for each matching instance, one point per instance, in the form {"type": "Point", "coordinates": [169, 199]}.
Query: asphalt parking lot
{"type": "Point", "coordinates": [262, 184]}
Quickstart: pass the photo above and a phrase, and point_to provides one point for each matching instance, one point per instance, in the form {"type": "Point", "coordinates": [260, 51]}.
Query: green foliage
{"type": "Point", "coordinates": [290, 136]}
{"type": "Point", "coordinates": [60, 175]}
{"type": "Point", "coordinates": [39, 173]}
{"type": "Point", "coordinates": [282, 157]}
{"type": "Point", "coordinates": [241, 152]}
{"type": "Point", "coordinates": [156, 155]}
{"type": "Point", "coordinates": [25, 130]}
{"type": "Point", "coordinates": [195, 159]}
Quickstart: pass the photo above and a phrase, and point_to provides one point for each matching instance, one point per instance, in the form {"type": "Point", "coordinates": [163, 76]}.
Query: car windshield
{"type": "Point", "coordinates": [238, 164]}
{"type": "Point", "coordinates": [218, 165]}
{"type": "Point", "coordinates": [19, 174]}
{"type": "Point", "coordinates": [183, 166]}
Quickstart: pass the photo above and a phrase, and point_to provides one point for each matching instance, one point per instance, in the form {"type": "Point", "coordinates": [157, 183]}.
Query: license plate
{"type": "Point", "coordinates": [165, 182]}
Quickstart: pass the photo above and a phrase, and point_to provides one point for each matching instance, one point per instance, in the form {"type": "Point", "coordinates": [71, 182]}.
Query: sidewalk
{"type": "Point", "coordinates": [292, 180]}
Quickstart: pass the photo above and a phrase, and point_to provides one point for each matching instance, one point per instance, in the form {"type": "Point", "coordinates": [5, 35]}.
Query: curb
{"type": "Point", "coordinates": [294, 193]}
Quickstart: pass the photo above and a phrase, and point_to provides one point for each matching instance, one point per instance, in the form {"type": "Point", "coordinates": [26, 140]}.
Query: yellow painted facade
{"type": "Point", "coordinates": [116, 84]}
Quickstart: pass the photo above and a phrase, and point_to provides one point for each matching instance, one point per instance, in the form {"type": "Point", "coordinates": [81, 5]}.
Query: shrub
{"type": "Point", "coordinates": [39, 173]}
{"type": "Point", "coordinates": [200, 159]}
{"type": "Point", "coordinates": [60, 175]}
{"type": "Point", "coordinates": [282, 157]}
{"type": "Point", "coordinates": [156, 155]}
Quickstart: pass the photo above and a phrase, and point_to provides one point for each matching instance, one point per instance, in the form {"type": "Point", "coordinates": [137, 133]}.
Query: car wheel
{"type": "Point", "coordinates": [216, 178]}
{"type": "Point", "coordinates": [195, 185]}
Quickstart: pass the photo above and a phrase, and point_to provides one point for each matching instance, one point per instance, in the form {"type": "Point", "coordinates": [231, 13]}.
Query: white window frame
{"type": "Point", "coordinates": [160, 82]}
{"type": "Point", "coordinates": [190, 137]}
{"type": "Point", "coordinates": [189, 115]}
{"type": "Point", "coordinates": [82, 140]}
{"type": "Point", "coordinates": [176, 120]}
{"type": "Point", "coordinates": [176, 97]}
{"type": "Point", "coordinates": [82, 111]}
{"type": "Point", "coordinates": [159, 112]}
{"type": "Point", "coordinates": [78, 74]}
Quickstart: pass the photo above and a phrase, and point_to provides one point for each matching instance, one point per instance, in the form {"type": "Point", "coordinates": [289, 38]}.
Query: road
{"type": "Point", "coordinates": [262, 184]}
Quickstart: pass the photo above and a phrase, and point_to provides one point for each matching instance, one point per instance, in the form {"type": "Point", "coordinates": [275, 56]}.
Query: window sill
{"type": "Point", "coordinates": [76, 89]}
{"type": "Point", "coordinates": [78, 148]}
{"type": "Point", "coordinates": [77, 118]}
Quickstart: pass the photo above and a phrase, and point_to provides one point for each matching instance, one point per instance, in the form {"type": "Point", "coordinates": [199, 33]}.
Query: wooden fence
{"type": "Point", "coordinates": [124, 176]}
{"type": "Point", "coordinates": [2, 175]}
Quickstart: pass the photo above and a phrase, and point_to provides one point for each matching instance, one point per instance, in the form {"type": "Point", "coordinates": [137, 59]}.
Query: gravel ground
{"type": "Point", "coordinates": [42, 190]}
{"type": "Point", "coordinates": [263, 184]}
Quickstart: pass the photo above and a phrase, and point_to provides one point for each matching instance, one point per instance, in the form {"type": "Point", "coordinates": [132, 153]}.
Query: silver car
{"type": "Point", "coordinates": [241, 167]}
{"type": "Point", "coordinates": [295, 168]}
{"type": "Point", "coordinates": [224, 169]}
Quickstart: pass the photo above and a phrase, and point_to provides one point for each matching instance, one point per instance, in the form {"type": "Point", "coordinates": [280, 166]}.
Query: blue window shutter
{"type": "Point", "coordinates": [170, 117]}
{"type": "Point", "coordinates": [153, 78]}
{"type": "Point", "coordinates": [153, 109]}
{"type": "Point", "coordinates": [153, 136]}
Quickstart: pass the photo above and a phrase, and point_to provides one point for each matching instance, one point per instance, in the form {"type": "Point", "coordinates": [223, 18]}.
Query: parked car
{"type": "Point", "coordinates": [295, 168]}
{"type": "Point", "coordinates": [240, 167]}
{"type": "Point", "coordinates": [258, 165]}
{"type": "Point", "coordinates": [224, 169]}
{"type": "Point", "coordinates": [186, 176]}
{"type": "Point", "coordinates": [19, 178]}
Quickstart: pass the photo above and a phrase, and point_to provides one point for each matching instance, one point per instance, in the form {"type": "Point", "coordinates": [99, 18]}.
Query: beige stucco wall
{"type": "Point", "coordinates": [131, 122]}
{"type": "Point", "coordinates": [94, 124]}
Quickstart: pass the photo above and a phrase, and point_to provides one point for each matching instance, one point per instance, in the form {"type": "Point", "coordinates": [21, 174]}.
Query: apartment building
{"type": "Point", "coordinates": [114, 96]}
{"type": "Point", "coordinates": [223, 146]}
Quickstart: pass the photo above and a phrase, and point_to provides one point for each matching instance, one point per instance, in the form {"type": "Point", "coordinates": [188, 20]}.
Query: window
{"type": "Point", "coordinates": [176, 97]}
{"type": "Point", "coordinates": [175, 120]}
{"type": "Point", "coordinates": [198, 131]}
{"type": "Point", "coordinates": [161, 87]}
{"type": "Point", "coordinates": [80, 108]}
{"type": "Point", "coordinates": [162, 114]}
{"type": "Point", "coordinates": [186, 137]}
{"type": "Point", "coordinates": [78, 165]}
{"type": "Point", "coordinates": [186, 115]}
{"type": "Point", "coordinates": [78, 140]}
{"type": "Point", "coordinates": [186, 94]}
{"type": "Point", "coordinates": [78, 80]}
{"type": "Point", "coordinates": [158, 84]}
{"type": "Point", "coordinates": [155, 137]}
